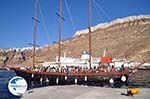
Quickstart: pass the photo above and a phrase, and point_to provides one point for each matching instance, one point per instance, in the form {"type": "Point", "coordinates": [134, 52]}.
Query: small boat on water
{"type": "Point", "coordinates": [67, 70]}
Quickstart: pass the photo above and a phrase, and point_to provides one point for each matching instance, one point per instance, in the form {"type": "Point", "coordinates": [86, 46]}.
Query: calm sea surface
{"type": "Point", "coordinates": [5, 76]}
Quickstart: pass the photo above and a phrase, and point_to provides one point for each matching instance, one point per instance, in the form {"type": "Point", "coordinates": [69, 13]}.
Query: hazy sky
{"type": "Point", "coordinates": [16, 24]}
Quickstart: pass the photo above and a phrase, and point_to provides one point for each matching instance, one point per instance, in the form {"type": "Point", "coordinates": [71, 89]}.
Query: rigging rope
{"type": "Point", "coordinates": [66, 5]}
{"type": "Point", "coordinates": [44, 23]}
{"type": "Point", "coordinates": [98, 12]}
{"type": "Point", "coordinates": [101, 9]}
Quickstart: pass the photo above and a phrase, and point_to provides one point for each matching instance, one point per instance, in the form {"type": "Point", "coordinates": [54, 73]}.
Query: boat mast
{"type": "Point", "coordinates": [89, 23]}
{"type": "Point", "coordinates": [60, 30]}
{"type": "Point", "coordinates": [34, 33]}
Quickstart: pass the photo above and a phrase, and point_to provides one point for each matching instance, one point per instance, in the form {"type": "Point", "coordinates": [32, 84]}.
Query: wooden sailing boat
{"type": "Point", "coordinates": [73, 74]}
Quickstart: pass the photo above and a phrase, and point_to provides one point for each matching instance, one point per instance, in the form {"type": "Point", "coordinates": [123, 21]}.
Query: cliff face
{"type": "Point", "coordinates": [130, 20]}
{"type": "Point", "coordinates": [123, 38]}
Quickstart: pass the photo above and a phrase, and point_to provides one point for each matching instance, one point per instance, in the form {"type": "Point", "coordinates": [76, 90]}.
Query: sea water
{"type": "Point", "coordinates": [5, 76]}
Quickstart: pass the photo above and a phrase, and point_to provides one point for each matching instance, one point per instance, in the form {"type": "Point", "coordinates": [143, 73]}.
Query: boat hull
{"type": "Point", "coordinates": [37, 79]}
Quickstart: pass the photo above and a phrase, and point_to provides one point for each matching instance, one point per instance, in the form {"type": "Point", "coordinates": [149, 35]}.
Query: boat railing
{"type": "Point", "coordinates": [73, 70]}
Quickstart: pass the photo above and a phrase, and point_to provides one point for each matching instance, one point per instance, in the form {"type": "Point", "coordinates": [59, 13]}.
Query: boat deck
{"type": "Point", "coordinates": [85, 72]}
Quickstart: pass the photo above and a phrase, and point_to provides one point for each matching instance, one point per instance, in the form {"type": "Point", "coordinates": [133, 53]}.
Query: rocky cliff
{"type": "Point", "coordinates": [130, 20]}
{"type": "Point", "coordinates": [123, 38]}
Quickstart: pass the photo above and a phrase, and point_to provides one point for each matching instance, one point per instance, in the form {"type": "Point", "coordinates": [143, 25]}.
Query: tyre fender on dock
{"type": "Point", "coordinates": [41, 80]}
{"type": "Point", "coordinates": [75, 80]}
{"type": "Point", "coordinates": [85, 78]}
{"type": "Point", "coordinates": [57, 80]}
{"type": "Point", "coordinates": [111, 81]}
{"type": "Point", "coordinates": [123, 78]}
{"type": "Point", "coordinates": [66, 77]}
{"type": "Point", "coordinates": [32, 75]}
{"type": "Point", "coordinates": [47, 80]}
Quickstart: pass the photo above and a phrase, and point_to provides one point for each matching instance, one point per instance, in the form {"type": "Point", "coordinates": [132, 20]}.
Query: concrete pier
{"type": "Point", "coordinates": [82, 92]}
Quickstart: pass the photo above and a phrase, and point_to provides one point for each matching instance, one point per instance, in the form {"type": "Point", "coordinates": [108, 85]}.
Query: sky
{"type": "Point", "coordinates": [16, 24]}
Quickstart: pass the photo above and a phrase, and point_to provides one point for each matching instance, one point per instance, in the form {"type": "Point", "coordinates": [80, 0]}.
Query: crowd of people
{"type": "Point", "coordinates": [77, 69]}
